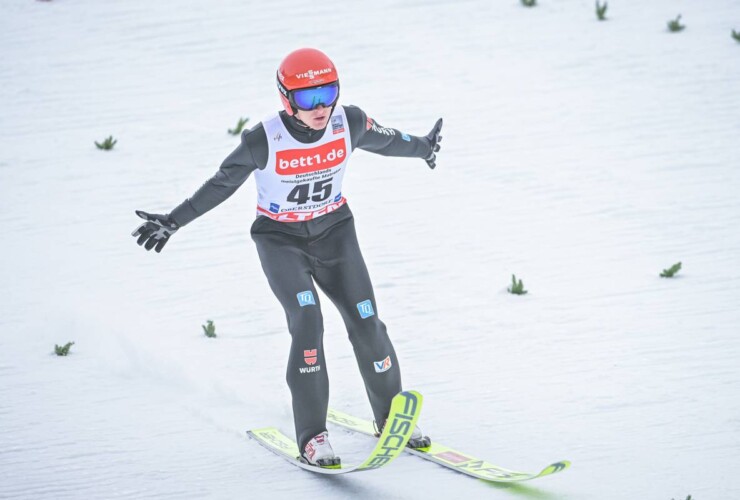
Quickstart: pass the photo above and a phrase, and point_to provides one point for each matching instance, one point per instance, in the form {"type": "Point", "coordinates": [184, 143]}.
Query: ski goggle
{"type": "Point", "coordinates": [311, 98]}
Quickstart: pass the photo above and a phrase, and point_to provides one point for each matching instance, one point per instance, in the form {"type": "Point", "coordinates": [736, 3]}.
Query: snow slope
{"type": "Point", "coordinates": [584, 157]}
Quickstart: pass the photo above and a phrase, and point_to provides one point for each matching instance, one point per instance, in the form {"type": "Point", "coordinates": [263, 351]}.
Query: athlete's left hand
{"type": "Point", "coordinates": [434, 139]}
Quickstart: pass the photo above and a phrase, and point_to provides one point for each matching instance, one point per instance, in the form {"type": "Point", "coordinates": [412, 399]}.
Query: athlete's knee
{"type": "Point", "coordinates": [367, 330]}
{"type": "Point", "coordinates": [371, 343]}
{"type": "Point", "coordinates": [305, 321]}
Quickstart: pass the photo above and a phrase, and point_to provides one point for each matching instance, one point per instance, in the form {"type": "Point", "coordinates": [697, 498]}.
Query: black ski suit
{"type": "Point", "coordinates": [298, 256]}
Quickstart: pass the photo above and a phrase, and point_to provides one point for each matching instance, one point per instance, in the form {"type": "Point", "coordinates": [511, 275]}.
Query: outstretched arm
{"type": "Point", "coordinates": [368, 135]}
{"type": "Point", "coordinates": [250, 155]}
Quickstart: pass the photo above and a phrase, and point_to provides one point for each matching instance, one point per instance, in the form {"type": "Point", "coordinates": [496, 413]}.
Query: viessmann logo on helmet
{"type": "Point", "coordinates": [313, 73]}
{"type": "Point", "coordinates": [301, 161]}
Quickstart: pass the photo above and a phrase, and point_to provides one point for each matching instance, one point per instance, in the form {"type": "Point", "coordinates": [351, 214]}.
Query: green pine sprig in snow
{"type": "Point", "coordinates": [239, 126]}
{"type": "Point", "coordinates": [601, 11]}
{"type": "Point", "coordinates": [675, 25]}
{"type": "Point", "coordinates": [517, 287]}
{"type": "Point", "coordinates": [63, 350]}
{"type": "Point", "coordinates": [671, 271]}
{"type": "Point", "coordinates": [107, 144]}
{"type": "Point", "coordinates": [209, 329]}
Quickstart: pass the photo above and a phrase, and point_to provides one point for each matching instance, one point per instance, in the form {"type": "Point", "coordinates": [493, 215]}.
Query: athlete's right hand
{"type": "Point", "coordinates": [156, 231]}
{"type": "Point", "coordinates": [434, 139]}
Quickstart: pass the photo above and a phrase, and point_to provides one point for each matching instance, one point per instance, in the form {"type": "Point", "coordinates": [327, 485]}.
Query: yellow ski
{"type": "Point", "coordinates": [404, 413]}
{"type": "Point", "coordinates": [448, 457]}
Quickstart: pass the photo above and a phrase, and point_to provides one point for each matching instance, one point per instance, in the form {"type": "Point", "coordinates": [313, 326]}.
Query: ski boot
{"type": "Point", "coordinates": [319, 452]}
{"type": "Point", "coordinates": [416, 441]}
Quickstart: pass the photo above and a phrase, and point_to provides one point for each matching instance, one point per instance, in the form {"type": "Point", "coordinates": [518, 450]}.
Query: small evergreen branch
{"type": "Point", "coordinates": [601, 11]}
{"type": "Point", "coordinates": [239, 126]}
{"type": "Point", "coordinates": [670, 272]}
{"type": "Point", "coordinates": [736, 35]}
{"type": "Point", "coordinates": [63, 350]}
{"type": "Point", "coordinates": [107, 144]}
{"type": "Point", "coordinates": [517, 287]}
{"type": "Point", "coordinates": [529, 3]}
{"type": "Point", "coordinates": [209, 329]}
{"type": "Point", "coordinates": [675, 25]}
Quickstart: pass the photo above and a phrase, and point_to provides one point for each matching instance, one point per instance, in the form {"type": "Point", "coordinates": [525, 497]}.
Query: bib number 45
{"type": "Point", "coordinates": [318, 191]}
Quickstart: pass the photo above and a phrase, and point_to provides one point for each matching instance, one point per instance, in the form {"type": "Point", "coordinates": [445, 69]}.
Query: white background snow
{"type": "Point", "coordinates": [582, 156]}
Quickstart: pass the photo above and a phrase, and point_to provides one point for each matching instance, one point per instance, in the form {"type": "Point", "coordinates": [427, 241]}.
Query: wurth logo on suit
{"type": "Point", "coordinates": [310, 356]}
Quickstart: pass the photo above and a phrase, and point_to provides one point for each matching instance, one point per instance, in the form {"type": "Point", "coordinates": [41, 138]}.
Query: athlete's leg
{"type": "Point", "coordinates": [288, 271]}
{"type": "Point", "coordinates": [342, 275]}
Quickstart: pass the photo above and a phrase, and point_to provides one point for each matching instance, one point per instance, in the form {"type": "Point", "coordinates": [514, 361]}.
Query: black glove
{"type": "Point", "coordinates": [155, 231]}
{"type": "Point", "coordinates": [434, 139]}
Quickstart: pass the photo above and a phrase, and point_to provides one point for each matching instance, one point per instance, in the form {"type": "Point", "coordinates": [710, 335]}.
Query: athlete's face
{"type": "Point", "coordinates": [317, 118]}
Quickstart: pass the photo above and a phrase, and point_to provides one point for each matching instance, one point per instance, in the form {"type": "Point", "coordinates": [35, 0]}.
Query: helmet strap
{"type": "Point", "coordinates": [297, 120]}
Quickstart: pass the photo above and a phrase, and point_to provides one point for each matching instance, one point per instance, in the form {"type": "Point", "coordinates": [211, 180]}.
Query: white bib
{"type": "Point", "coordinates": [303, 181]}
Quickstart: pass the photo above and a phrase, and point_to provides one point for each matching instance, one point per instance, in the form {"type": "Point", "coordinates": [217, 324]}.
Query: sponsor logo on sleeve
{"type": "Point", "coordinates": [365, 308]}
{"type": "Point", "coordinates": [274, 208]}
{"type": "Point", "coordinates": [306, 298]}
{"type": "Point", "coordinates": [383, 366]}
{"type": "Point", "coordinates": [371, 125]}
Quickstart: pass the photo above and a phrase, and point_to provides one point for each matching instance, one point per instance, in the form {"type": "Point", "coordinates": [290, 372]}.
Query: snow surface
{"type": "Point", "coordinates": [584, 157]}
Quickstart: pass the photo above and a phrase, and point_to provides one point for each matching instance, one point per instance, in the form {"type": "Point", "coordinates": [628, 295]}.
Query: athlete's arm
{"type": "Point", "coordinates": [251, 154]}
{"type": "Point", "coordinates": [367, 134]}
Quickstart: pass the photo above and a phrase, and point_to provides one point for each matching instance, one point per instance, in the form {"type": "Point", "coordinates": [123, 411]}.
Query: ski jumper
{"type": "Point", "coordinates": [305, 238]}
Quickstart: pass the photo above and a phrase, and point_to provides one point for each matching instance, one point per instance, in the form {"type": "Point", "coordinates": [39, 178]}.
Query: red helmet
{"type": "Point", "coordinates": [304, 68]}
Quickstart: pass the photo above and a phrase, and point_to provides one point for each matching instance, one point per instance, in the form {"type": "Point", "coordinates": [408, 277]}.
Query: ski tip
{"type": "Point", "coordinates": [412, 397]}
{"type": "Point", "coordinates": [411, 392]}
{"type": "Point", "coordinates": [555, 468]}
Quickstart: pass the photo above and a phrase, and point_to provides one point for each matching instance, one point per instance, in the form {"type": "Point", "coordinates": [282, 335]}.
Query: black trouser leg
{"type": "Point", "coordinates": [327, 251]}
{"type": "Point", "coordinates": [341, 273]}
{"type": "Point", "coordinates": [288, 271]}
